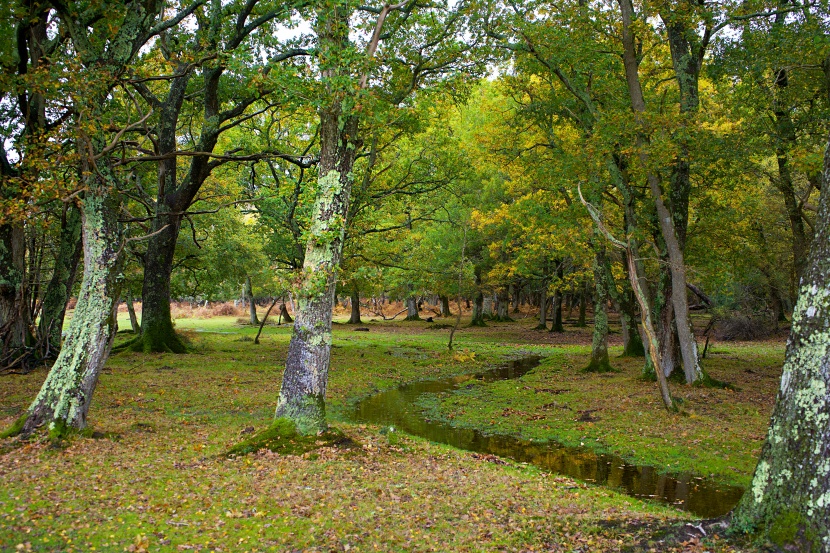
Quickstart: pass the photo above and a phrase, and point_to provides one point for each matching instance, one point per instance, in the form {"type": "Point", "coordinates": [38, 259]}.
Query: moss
{"type": "Point", "coordinates": [16, 428]}
{"type": "Point", "coordinates": [599, 366]}
{"type": "Point", "coordinates": [283, 437]}
{"type": "Point", "coordinates": [789, 528]}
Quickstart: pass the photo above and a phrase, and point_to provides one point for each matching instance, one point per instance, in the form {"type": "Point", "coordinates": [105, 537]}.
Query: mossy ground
{"type": "Point", "coordinates": [164, 484]}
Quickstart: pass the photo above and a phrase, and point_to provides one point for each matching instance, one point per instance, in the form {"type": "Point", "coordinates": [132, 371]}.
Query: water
{"type": "Point", "coordinates": [397, 407]}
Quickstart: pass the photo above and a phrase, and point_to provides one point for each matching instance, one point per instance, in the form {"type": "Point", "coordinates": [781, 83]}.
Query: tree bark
{"type": "Point", "coordinates": [445, 306]}
{"type": "Point", "coordinates": [599, 343]}
{"type": "Point", "coordinates": [130, 301]}
{"type": "Point", "coordinates": [583, 303]}
{"type": "Point", "coordinates": [503, 305]}
{"type": "Point", "coordinates": [249, 292]}
{"type": "Point", "coordinates": [557, 303]}
{"type": "Point", "coordinates": [354, 319]}
{"type": "Point", "coordinates": [60, 285]}
{"type": "Point", "coordinates": [64, 398]}
{"type": "Point", "coordinates": [789, 497]}
{"type": "Point", "coordinates": [543, 306]}
{"type": "Point", "coordinates": [412, 309]}
{"type": "Point", "coordinates": [303, 390]}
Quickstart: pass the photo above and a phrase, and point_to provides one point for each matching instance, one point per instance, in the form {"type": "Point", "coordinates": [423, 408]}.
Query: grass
{"type": "Point", "coordinates": [160, 480]}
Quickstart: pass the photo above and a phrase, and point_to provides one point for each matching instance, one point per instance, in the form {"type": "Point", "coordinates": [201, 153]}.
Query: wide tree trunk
{"type": "Point", "coordinates": [599, 343]}
{"type": "Point", "coordinates": [65, 396]}
{"type": "Point", "coordinates": [354, 319]}
{"type": "Point", "coordinates": [249, 293]}
{"type": "Point", "coordinates": [503, 305]}
{"type": "Point", "coordinates": [789, 498]}
{"type": "Point", "coordinates": [60, 285]}
{"type": "Point", "coordinates": [14, 320]}
{"type": "Point", "coordinates": [412, 309]}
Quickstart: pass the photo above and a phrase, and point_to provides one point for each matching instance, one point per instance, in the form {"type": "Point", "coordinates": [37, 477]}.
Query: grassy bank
{"type": "Point", "coordinates": [157, 481]}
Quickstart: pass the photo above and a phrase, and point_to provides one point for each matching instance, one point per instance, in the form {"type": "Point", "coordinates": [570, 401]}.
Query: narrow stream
{"type": "Point", "coordinates": [397, 407]}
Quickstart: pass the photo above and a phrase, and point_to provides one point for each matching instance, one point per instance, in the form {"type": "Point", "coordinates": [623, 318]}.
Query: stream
{"type": "Point", "coordinates": [397, 408]}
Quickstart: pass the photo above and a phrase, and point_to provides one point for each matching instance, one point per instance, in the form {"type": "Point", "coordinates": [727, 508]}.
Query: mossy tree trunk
{"type": "Point", "coordinates": [60, 285]}
{"type": "Point", "coordinates": [789, 498]}
{"type": "Point", "coordinates": [503, 305]}
{"type": "Point", "coordinates": [599, 343]}
{"type": "Point", "coordinates": [14, 327]}
{"type": "Point", "coordinates": [354, 319]}
{"type": "Point", "coordinates": [303, 390]}
{"type": "Point", "coordinates": [64, 398]}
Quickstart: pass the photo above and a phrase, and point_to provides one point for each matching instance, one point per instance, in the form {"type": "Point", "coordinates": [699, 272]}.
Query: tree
{"type": "Point", "coordinates": [104, 47]}
{"type": "Point", "coordinates": [790, 493]}
{"type": "Point", "coordinates": [423, 45]}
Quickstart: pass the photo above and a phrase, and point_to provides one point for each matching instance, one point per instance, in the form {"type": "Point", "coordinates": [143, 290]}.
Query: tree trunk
{"type": "Point", "coordinates": [284, 315]}
{"type": "Point", "coordinates": [790, 493]}
{"type": "Point", "coordinates": [412, 309]}
{"type": "Point", "coordinates": [303, 390]}
{"type": "Point", "coordinates": [249, 292]}
{"type": "Point", "coordinates": [64, 398]}
{"type": "Point", "coordinates": [688, 346]}
{"type": "Point", "coordinates": [14, 327]}
{"type": "Point", "coordinates": [543, 306]}
{"type": "Point", "coordinates": [354, 319]}
{"type": "Point", "coordinates": [157, 332]}
{"type": "Point", "coordinates": [503, 305]}
{"type": "Point", "coordinates": [557, 303]}
{"type": "Point", "coordinates": [445, 306]}
{"type": "Point", "coordinates": [131, 311]}
{"type": "Point", "coordinates": [487, 306]}
{"type": "Point", "coordinates": [583, 302]}
{"type": "Point", "coordinates": [60, 285]}
{"type": "Point", "coordinates": [599, 343]}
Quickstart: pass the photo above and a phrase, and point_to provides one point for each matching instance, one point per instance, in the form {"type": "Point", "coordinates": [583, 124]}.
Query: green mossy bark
{"type": "Point", "coordinates": [285, 438]}
{"type": "Point", "coordinates": [789, 499]}
{"type": "Point", "coordinates": [16, 428]}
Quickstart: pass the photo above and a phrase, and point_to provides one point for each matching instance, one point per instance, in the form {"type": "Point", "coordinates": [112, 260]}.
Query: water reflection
{"type": "Point", "coordinates": [397, 407]}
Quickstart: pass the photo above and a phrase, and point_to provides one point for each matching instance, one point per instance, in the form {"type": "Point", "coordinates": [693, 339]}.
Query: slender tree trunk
{"type": "Point", "coordinates": [249, 292]}
{"type": "Point", "coordinates": [599, 343]}
{"type": "Point", "coordinates": [557, 303]}
{"type": "Point", "coordinates": [543, 306]}
{"type": "Point", "coordinates": [688, 346]}
{"type": "Point", "coordinates": [284, 315]}
{"type": "Point", "coordinates": [354, 319]}
{"type": "Point", "coordinates": [583, 302]}
{"type": "Point", "coordinates": [131, 311]}
{"type": "Point", "coordinates": [64, 398]}
{"type": "Point", "coordinates": [60, 285]}
{"type": "Point", "coordinates": [790, 493]}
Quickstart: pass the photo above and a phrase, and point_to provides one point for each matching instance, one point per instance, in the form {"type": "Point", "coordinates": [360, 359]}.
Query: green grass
{"type": "Point", "coordinates": [161, 481]}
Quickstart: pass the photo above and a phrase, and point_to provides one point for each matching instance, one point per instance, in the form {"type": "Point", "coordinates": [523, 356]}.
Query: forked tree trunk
{"type": "Point", "coordinates": [284, 315]}
{"type": "Point", "coordinates": [789, 498]}
{"type": "Point", "coordinates": [354, 319]}
{"type": "Point", "coordinates": [64, 398]}
{"type": "Point", "coordinates": [63, 279]}
{"type": "Point", "coordinates": [688, 346]}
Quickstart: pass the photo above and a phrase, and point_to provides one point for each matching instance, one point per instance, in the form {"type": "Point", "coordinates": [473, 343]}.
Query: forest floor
{"type": "Point", "coordinates": [154, 478]}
